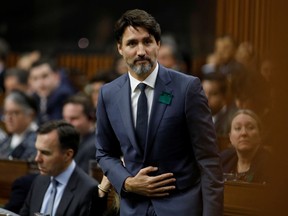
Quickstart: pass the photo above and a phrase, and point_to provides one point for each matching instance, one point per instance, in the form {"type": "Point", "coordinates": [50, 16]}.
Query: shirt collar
{"type": "Point", "coordinates": [64, 177]}
{"type": "Point", "coordinates": [149, 81]}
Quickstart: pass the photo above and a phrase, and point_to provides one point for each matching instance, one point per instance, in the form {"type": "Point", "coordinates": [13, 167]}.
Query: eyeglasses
{"type": "Point", "coordinates": [12, 113]}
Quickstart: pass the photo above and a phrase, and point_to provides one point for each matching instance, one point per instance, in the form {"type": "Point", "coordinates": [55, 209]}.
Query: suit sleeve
{"type": "Point", "coordinates": [20, 189]}
{"type": "Point", "coordinates": [94, 205]}
{"type": "Point", "coordinates": [108, 148]}
{"type": "Point", "coordinates": [24, 211]}
{"type": "Point", "coordinates": [203, 141]}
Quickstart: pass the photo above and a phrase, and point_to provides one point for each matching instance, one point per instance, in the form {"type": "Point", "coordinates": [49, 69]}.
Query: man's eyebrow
{"type": "Point", "coordinates": [44, 151]}
{"type": "Point", "coordinates": [131, 40]}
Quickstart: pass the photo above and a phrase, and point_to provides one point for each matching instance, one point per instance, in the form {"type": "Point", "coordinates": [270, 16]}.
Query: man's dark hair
{"type": "Point", "coordinates": [103, 76]}
{"type": "Point", "coordinates": [137, 18]}
{"type": "Point", "coordinates": [219, 78]}
{"type": "Point", "coordinates": [68, 137]}
{"type": "Point", "coordinates": [4, 49]}
{"type": "Point", "coordinates": [51, 62]}
{"type": "Point", "coordinates": [23, 100]}
{"type": "Point", "coordinates": [20, 74]}
{"type": "Point", "coordinates": [85, 101]}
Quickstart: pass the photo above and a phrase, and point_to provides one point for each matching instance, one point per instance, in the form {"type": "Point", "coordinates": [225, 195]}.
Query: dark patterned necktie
{"type": "Point", "coordinates": [142, 117]}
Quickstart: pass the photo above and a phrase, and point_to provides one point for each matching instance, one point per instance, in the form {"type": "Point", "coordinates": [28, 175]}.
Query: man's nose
{"type": "Point", "coordinates": [141, 50]}
{"type": "Point", "coordinates": [37, 157]}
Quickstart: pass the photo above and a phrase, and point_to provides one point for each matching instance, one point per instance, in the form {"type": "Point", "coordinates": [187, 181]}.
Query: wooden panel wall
{"type": "Point", "coordinates": [87, 64]}
{"type": "Point", "coordinates": [245, 20]}
{"type": "Point", "coordinates": [264, 23]}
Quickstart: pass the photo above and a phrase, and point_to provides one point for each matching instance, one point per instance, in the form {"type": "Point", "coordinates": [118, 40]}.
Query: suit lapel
{"type": "Point", "coordinates": [5, 147]}
{"type": "Point", "coordinates": [124, 105]}
{"type": "Point", "coordinates": [68, 194]}
{"type": "Point", "coordinates": [158, 108]}
{"type": "Point", "coordinates": [41, 192]}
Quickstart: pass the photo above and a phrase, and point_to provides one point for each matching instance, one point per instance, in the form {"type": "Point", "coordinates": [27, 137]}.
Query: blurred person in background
{"type": "Point", "coordinates": [120, 66]}
{"type": "Point", "coordinates": [225, 49]}
{"type": "Point", "coordinates": [168, 52]}
{"type": "Point", "coordinates": [215, 88]}
{"type": "Point", "coordinates": [50, 90]}
{"type": "Point", "coordinates": [211, 64]}
{"type": "Point", "coordinates": [170, 55]}
{"type": "Point", "coordinates": [253, 94]}
{"type": "Point", "coordinates": [245, 55]}
{"type": "Point", "coordinates": [16, 78]}
{"type": "Point", "coordinates": [19, 117]}
{"type": "Point", "coordinates": [78, 110]}
{"type": "Point", "coordinates": [4, 50]}
{"type": "Point", "coordinates": [27, 59]}
{"type": "Point", "coordinates": [96, 82]}
{"type": "Point", "coordinates": [247, 159]}
{"type": "Point", "coordinates": [223, 61]}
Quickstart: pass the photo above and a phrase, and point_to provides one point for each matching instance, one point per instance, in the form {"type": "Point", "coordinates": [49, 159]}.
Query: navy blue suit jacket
{"type": "Point", "coordinates": [80, 196]}
{"type": "Point", "coordinates": [55, 103]}
{"type": "Point", "coordinates": [86, 151]}
{"type": "Point", "coordinates": [24, 151]}
{"type": "Point", "coordinates": [181, 139]}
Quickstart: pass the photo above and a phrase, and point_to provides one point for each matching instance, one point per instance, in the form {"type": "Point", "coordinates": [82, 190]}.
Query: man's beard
{"type": "Point", "coordinates": [141, 69]}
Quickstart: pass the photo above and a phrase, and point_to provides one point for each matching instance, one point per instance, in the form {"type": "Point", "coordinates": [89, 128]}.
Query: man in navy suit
{"type": "Point", "coordinates": [177, 170]}
{"type": "Point", "coordinates": [76, 192]}
{"type": "Point", "coordinates": [51, 87]}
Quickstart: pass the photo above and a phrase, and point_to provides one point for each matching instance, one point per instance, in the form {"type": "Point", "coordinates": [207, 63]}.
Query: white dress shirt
{"type": "Point", "coordinates": [62, 180]}
{"type": "Point", "coordinates": [149, 91]}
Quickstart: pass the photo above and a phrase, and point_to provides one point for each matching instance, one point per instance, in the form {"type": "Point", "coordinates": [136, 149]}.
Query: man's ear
{"type": "Point", "coordinates": [119, 47]}
{"type": "Point", "coordinates": [69, 154]}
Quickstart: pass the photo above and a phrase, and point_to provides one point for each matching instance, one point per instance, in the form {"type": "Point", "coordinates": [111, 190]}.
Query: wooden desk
{"type": "Point", "coordinates": [244, 199]}
{"type": "Point", "coordinates": [9, 171]}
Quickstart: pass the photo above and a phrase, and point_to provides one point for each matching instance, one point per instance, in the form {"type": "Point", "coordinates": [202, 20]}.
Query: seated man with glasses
{"type": "Point", "coordinates": [19, 114]}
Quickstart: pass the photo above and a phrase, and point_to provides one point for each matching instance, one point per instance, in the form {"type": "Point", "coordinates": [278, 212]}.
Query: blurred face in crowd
{"type": "Point", "coordinates": [51, 159]}
{"type": "Point", "coordinates": [16, 118]}
{"type": "Point", "coordinates": [43, 80]}
{"type": "Point", "coordinates": [166, 57]}
{"type": "Point", "coordinates": [140, 50]}
{"type": "Point", "coordinates": [120, 66]}
{"type": "Point", "coordinates": [244, 53]}
{"type": "Point", "coordinates": [74, 114]}
{"type": "Point", "coordinates": [225, 49]}
{"type": "Point", "coordinates": [266, 70]}
{"type": "Point", "coordinates": [216, 99]}
{"type": "Point", "coordinates": [95, 88]}
{"type": "Point", "coordinates": [12, 82]}
{"type": "Point", "coordinates": [245, 133]}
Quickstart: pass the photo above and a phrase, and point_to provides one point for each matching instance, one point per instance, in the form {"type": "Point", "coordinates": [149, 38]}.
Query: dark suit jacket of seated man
{"type": "Point", "coordinates": [77, 193]}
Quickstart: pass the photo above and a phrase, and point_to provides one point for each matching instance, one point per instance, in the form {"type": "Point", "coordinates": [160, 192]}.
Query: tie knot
{"type": "Point", "coordinates": [54, 182]}
{"type": "Point", "coordinates": [142, 86]}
